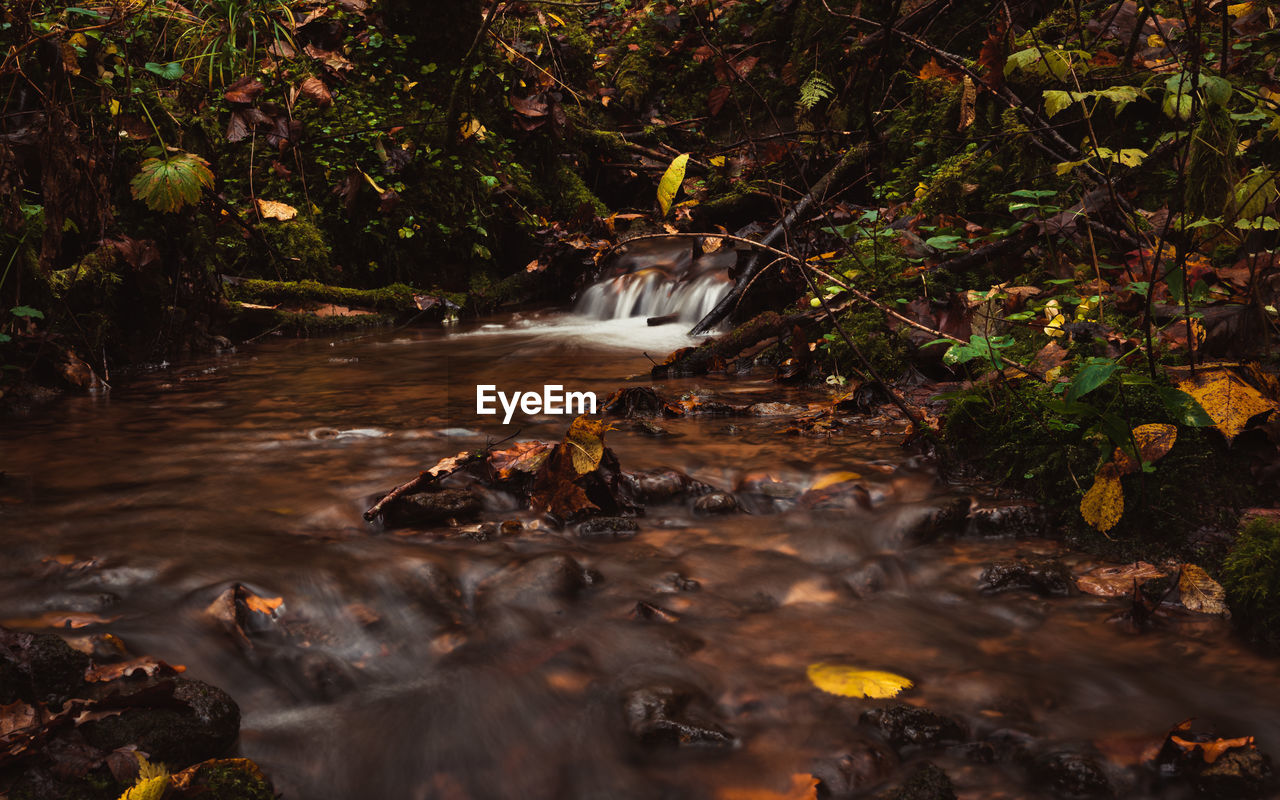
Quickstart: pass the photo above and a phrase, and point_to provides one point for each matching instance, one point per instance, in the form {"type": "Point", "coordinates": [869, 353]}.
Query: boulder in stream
{"type": "Point", "coordinates": [670, 716]}
{"type": "Point", "coordinates": [907, 726]}
{"type": "Point", "coordinates": [431, 508]}
{"type": "Point", "coordinates": [928, 782]}
{"type": "Point", "coordinates": [1071, 775]}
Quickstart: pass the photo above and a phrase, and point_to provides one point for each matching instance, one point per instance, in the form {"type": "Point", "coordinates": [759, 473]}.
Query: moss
{"type": "Point", "coordinates": [1251, 577]}
{"type": "Point", "coordinates": [302, 248]}
{"type": "Point", "coordinates": [232, 780]}
{"type": "Point", "coordinates": [572, 193]}
{"type": "Point", "coordinates": [396, 297]}
{"type": "Point", "coordinates": [633, 78]}
{"type": "Point", "coordinates": [886, 351]}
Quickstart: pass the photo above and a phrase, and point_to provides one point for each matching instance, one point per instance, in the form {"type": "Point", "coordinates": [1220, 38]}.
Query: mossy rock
{"type": "Point", "coordinates": [202, 722]}
{"type": "Point", "coordinates": [302, 247]}
{"type": "Point", "coordinates": [396, 297]}
{"type": "Point", "coordinates": [1251, 577]}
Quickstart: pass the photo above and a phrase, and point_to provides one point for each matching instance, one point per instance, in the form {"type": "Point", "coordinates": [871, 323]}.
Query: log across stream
{"type": "Point", "coordinates": [519, 660]}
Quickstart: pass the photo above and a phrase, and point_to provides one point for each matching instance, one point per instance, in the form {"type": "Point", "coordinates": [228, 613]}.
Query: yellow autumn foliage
{"type": "Point", "coordinates": [847, 681]}
{"type": "Point", "coordinates": [1103, 505]}
{"type": "Point", "coordinates": [1228, 400]}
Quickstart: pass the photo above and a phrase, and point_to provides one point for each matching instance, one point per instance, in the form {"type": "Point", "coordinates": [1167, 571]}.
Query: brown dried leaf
{"type": "Point", "coordinates": [1200, 592]}
{"type": "Point", "coordinates": [968, 103]}
{"type": "Point", "coordinates": [271, 209]}
{"type": "Point", "coordinates": [585, 441]}
{"type": "Point", "coordinates": [1117, 581]}
{"type": "Point", "coordinates": [245, 90]}
{"type": "Point", "coordinates": [150, 667]}
{"type": "Point", "coordinates": [315, 89]}
{"type": "Point", "coordinates": [524, 457]}
{"type": "Point", "coordinates": [1213, 749]}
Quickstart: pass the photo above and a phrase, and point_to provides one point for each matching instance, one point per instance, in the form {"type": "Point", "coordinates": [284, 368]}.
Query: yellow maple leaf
{"type": "Point", "coordinates": [832, 478]}
{"type": "Point", "coordinates": [1200, 592]}
{"type": "Point", "coordinates": [847, 681]}
{"type": "Point", "coordinates": [1103, 505]}
{"type": "Point", "coordinates": [1227, 399]}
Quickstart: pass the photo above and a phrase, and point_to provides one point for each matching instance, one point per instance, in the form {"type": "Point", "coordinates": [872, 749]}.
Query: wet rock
{"type": "Point", "coordinates": [907, 726]}
{"type": "Point", "coordinates": [1018, 519]}
{"type": "Point", "coordinates": [1071, 775]}
{"type": "Point", "coordinates": [864, 765]}
{"type": "Point", "coordinates": [431, 508]}
{"type": "Point", "coordinates": [199, 722]}
{"type": "Point", "coordinates": [676, 582]}
{"type": "Point", "coordinates": [940, 521]}
{"type": "Point", "coordinates": [541, 583]}
{"type": "Point", "coordinates": [926, 783]}
{"type": "Point", "coordinates": [673, 716]}
{"type": "Point", "coordinates": [662, 485]}
{"type": "Point", "coordinates": [1046, 577]}
{"type": "Point", "coordinates": [716, 503]}
{"type": "Point", "coordinates": [511, 527]}
{"type": "Point", "coordinates": [608, 528]}
{"type": "Point", "coordinates": [39, 667]}
{"type": "Point", "coordinates": [433, 590]}
{"type": "Point", "coordinates": [1236, 774]}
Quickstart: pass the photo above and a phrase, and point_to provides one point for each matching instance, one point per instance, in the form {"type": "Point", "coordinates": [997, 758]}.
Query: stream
{"type": "Point", "coordinates": [463, 664]}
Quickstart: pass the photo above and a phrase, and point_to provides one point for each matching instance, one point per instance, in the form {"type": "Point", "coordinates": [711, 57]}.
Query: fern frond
{"type": "Point", "coordinates": [814, 91]}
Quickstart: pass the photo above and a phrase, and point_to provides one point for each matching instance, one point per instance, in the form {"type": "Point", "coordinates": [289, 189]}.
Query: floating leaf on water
{"type": "Point", "coordinates": [1212, 750]}
{"type": "Point", "coordinates": [803, 787]}
{"type": "Point", "coordinates": [1227, 399]}
{"type": "Point", "coordinates": [1117, 581]}
{"type": "Point", "coordinates": [1200, 592]}
{"type": "Point", "coordinates": [1154, 443]}
{"type": "Point", "coordinates": [1103, 505]}
{"type": "Point", "coordinates": [848, 681]}
{"type": "Point", "coordinates": [671, 181]}
{"type": "Point", "coordinates": [833, 478]}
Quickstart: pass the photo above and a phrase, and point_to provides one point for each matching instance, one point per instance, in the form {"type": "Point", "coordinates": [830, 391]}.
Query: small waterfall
{"type": "Point", "coordinates": [659, 281]}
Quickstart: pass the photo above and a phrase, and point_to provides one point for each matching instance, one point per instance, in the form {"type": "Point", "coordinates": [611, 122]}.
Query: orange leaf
{"type": "Point", "coordinates": [803, 787]}
{"type": "Point", "coordinates": [1154, 443]}
{"type": "Point", "coordinates": [935, 71]}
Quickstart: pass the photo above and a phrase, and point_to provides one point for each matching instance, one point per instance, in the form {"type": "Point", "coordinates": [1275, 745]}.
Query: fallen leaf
{"type": "Point", "coordinates": [525, 457]}
{"type": "Point", "coordinates": [1213, 749]}
{"type": "Point", "coordinates": [1227, 399]}
{"type": "Point", "coordinates": [1154, 443]}
{"type": "Point", "coordinates": [1117, 581]}
{"type": "Point", "coordinates": [585, 441]}
{"type": "Point", "coordinates": [833, 478]}
{"type": "Point", "coordinates": [1200, 592]}
{"type": "Point", "coordinates": [1103, 505]}
{"type": "Point", "coordinates": [315, 89]}
{"type": "Point", "coordinates": [102, 673]}
{"type": "Point", "coordinates": [848, 681]}
{"type": "Point", "coordinates": [803, 787]}
{"type": "Point", "coordinates": [270, 209]}
{"type": "Point", "coordinates": [245, 90]}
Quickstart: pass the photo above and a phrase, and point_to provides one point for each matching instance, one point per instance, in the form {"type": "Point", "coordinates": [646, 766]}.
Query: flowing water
{"type": "Point", "coordinates": [431, 664]}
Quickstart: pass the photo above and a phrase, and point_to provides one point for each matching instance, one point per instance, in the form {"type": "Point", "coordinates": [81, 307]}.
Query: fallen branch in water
{"type": "Point", "coordinates": [443, 468]}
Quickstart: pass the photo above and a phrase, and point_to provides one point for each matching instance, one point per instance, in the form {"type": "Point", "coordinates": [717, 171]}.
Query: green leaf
{"type": "Point", "coordinates": [1055, 100]}
{"type": "Point", "coordinates": [671, 180]}
{"type": "Point", "coordinates": [1090, 378]}
{"type": "Point", "coordinates": [27, 311]}
{"type": "Point", "coordinates": [4, 337]}
{"type": "Point", "coordinates": [943, 242]}
{"type": "Point", "coordinates": [169, 184]}
{"type": "Point", "coordinates": [170, 72]}
{"type": "Point", "coordinates": [1217, 91]}
{"type": "Point", "coordinates": [1184, 407]}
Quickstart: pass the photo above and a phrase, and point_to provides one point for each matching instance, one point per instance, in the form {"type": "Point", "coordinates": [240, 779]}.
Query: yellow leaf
{"type": "Point", "coordinates": [1239, 9]}
{"type": "Point", "coordinates": [270, 209]}
{"type": "Point", "coordinates": [716, 161]}
{"type": "Point", "coordinates": [114, 107]}
{"type": "Point", "coordinates": [1200, 592]}
{"type": "Point", "coordinates": [1154, 443]}
{"type": "Point", "coordinates": [147, 789]}
{"type": "Point", "coordinates": [832, 478]}
{"type": "Point", "coordinates": [1227, 399]}
{"type": "Point", "coordinates": [586, 442]}
{"type": "Point", "coordinates": [1103, 504]}
{"type": "Point", "coordinates": [848, 681]}
{"type": "Point", "coordinates": [1155, 40]}
{"type": "Point", "coordinates": [671, 180]}
{"type": "Point", "coordinates": [148, 770]}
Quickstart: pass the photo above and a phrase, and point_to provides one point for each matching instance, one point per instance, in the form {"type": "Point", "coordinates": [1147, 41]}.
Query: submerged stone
{"type": "Point", "coordinates": [1047, 578]}
{"type": "Point", "coordinates": [1074, 776]}
{"type": "Point", "coordinates": [431, 508]}
{"type": "Point", "coordinates": [673, 716]}
{"type": "Point", "coordinates": [907, 726]}
{"type": "Point", "coordinates": [926, 783]}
